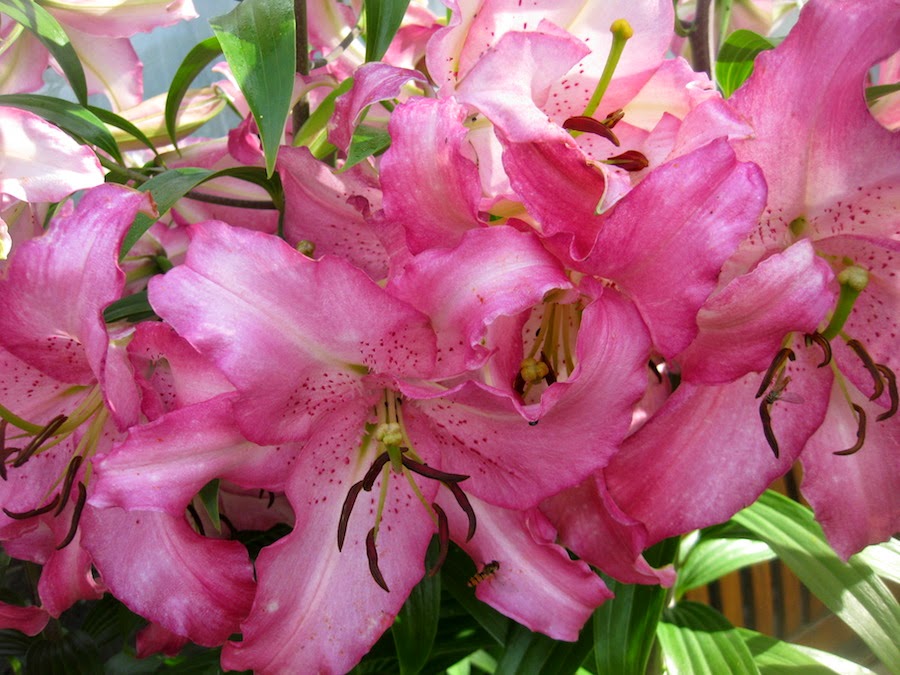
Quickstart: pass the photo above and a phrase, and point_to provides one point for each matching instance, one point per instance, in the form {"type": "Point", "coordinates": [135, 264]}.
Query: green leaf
{"type": "Point", "coordinates": [257, 38]}
{"type": "Point", "coordinates": [735, 61]}
{"type": "Point", "coordinates": [73, 118]}
{"type": "Point", "coordinates": [775, 657]}
{"type": "Point", "coordinates": [416, 625]}
{"type": "Point", "coordinates": [46, 28]}
{"type": "Point", "coordinates": [314, 132]}
{"type": "Point", "coordinates": [383, 18]}
{"type": "Point", "coordinates": [884, 559]}
{"type": "Point", "coordinates": [166, 188]}
{"type": "Point", "coordinates": [711, 559]}
{"type": "Point", "coordinates": [879, 90]}
{"type": "Point", "coordinates": [625, 627]}
{"type": "Point", "coordinates": [524, 652]}
{"type": "Point", "coordinates": [850, 590]}
{"type": "Point", "coordinates": [74, 654]}
{"type": "Point", "coordinates": [209, 496]}
{"type": "Point", "coordinates": [193, 64]}
{"type": "Point", "coordinates": [697, 640]}
{"type": "Point", "coordinates": [134, 307]}
{"type": "Point", "coordinates": [120, 122]}
{"type": "Point", "coordinates": [367, 141]}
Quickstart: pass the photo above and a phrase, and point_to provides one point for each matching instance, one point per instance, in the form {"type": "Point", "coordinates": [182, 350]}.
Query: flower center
{"type": "Point", "coordinates": [394, 447]}
{"type": "Point", "coordinates": [551, 355]}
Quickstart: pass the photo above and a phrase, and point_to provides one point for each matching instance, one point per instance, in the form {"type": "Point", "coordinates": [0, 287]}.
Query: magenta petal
{"type": "Point", "coordinates": [485, 433]}
{"type": "Point", "coordinates": [162, 465]}
{"type": "Point", "coordinates": [330, 210]}
{"type": "Point", "coordinates": [67, 576]}
{"type": "Point", "coordinates": [28, 620]}
{"type": "Point", "coordinates": [318, 609]}
{"type": "Point", "coordinates": [856, 498]}
{"type": "Point", "coordinates": [743, 325]}
{"type": "Point", "coordinates": [58, 285]}
{"type": "Point", "coordinates": [536, 583]}
{"type": "Point", "coordinates": [292, 334]}
{"type": "Point", "coordinates": [430, 185]}
{"type": "Point", "coordinates": [203, 597]}
{"type": "Point", "coordinates": [122, 19]}
{"type": "Point", "coordinates": [560, 188]}
{"type": "Point", "coordinates": [154, 639]}
{"type": "Point", "coordinates": [674, 231]}
{"type": "Point", "coordinates": [593, 527]}
{"type": "Point", "coordinates": [704, 457]}
{"type": "Point", "coordinates": [493, 272]}
{"type": "Point", "coordinates": [512, 80]}
{"type": "Point", "coordinates": [372, 82]}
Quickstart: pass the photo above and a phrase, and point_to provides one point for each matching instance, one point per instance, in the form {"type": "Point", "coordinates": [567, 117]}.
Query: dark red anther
{"type": "Point", "coordinates": [767, 425]}
{"type": "Point", "coordinates": [870, 366]}
{"type": "Point", "coordinates": [550, 377]}
{"type": "Point", "coordinates": [613, 118]}
{"type": "Point", "coordinates": [860, 433]}
{"type": "Point", "coordinates": [465, 505]}
{"type": "Point", "coordinates": [443, 539]}
{"type": "Point", "coordinates": [71, 472]}
{"type": "Point", "coordinates": [198, 522]}
{"type": "Point", "coordinates": [820, 340]}
{"type": "Point", "coordinates": [346, 510]}
{"type": "Point", "coordinates": [368, 481]}
{"type": "Point", "coordinates": [891, 380]}
{"type": "Point", "coordinates": [4, 452]}
{"type": "Point", "coordinates": [630, 160]}
{"type": "Point", "coordinates": [39, 439]}
{"type": "Point", "coordinates": [372, 555]}
{"type": "Point", "coordinates": [430, 472]}
{"type": "Point", "coordinates": [34, 512]}
{"type": "Point", "coordinates": [76, 516]}
{"type": "Point", "coordinates": [783, 355]}
{"type": "Point", "coordinates": [271, 499]}
{"type": "Point", "coordinates": [588, 125]}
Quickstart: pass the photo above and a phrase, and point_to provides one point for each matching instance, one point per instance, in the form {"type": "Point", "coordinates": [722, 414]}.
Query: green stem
{"type": "Point", "coordinates": [702, 38]}
{"type": "Point", "coordinates": [622, 32]}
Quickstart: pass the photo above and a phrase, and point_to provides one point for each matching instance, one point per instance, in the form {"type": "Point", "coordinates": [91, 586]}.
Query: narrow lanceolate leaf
{"type": "Point", "coordinates": [314, 132]}
{"type": "Point", "coordinates": [193, 64]}
{"type": "Point", "coordinates": [697, 640]}
{"type": "Point", "coordinates": [120, 122]}
{"type": "Point", "coordinates": [383, 18]}
{"type": "Point", "coordinates": [710, 559]}
{"type": "Point", "coordinates": [257, 38]}
{"type": "Point", "coordinates": [774, 657]}
{"type": "Point", "coordinates": [625, 627]}
{"type": "Point", "coordinates": [851, 590]}
{"type": "Point", "coordinates": [72, 118]}
{"type": "Point", "coordinates": [416, 625]}
{"type": "Point", "coordinates": [209, 496]}
{"type": "Point", "coordinates": [166, 188]}
{"type": "Point", "coordinates": [367, 141]}
{"type": "Point", "coordinates": [735, 61]}
{"type": "Point", "coordinates": [884, 559]}
{"type": "Point", "coordinates": [40, 22]}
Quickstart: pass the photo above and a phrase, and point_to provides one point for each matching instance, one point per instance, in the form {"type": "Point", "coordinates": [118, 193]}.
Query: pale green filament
{"type": "Point", "coordinates": [853, 281]}
{"type": "Point", "coordinates": [622, 32]}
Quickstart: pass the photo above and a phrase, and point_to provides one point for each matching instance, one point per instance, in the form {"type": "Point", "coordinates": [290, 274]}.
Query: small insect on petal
{"type": "Point", "coordinates": [372, 555]}
{"type": "Point", "coordinates": [486, 572]}
{"type": "Point", "coordinates": [783, 354]}
{"type": "Point", "coordinates": [860, 433]}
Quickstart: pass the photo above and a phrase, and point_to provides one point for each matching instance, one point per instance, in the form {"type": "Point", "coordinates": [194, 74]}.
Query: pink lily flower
{"type": "Point", "coordinates": [826, 244]}
{"type": "Point", "coordinates": [67, 392]}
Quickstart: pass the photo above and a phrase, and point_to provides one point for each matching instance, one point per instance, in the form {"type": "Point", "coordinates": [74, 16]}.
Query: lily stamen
{"type": "Point", "coordinates": [869, 364]}
{"type": "Point", "coordinates": [372, 555]}
{"type": "Point", "coordinates": [891, 379]}
{"type": "Point", "coordinates": [860, 433]}
{"type": "Point", "coordinates": [39, 439]}
{"type": "Point", "coordinates": [71, 472]}
{"type": "Point", "coordinates": [24, 515]}
{"type": "Point", "coordinates": [443, 539]}
{"type": "Point", "coordinates": [76, 516]}
{"type": "Point", "coordinates": [783, 354]}
{"type": "Point", "coordinates": [818, 339]}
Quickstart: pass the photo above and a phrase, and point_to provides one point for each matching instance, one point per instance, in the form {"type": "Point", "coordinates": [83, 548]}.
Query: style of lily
{"type": "Point", "coordinates": [66, 393]}
{"type": "Point", "coordinates": [827, 244]}
{"type": "Point", "coordinates": [397, 443]}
